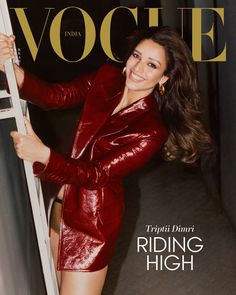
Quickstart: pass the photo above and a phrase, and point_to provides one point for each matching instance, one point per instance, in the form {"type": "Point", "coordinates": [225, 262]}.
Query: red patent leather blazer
{"type": "Point", "coordinates": [106, 148]}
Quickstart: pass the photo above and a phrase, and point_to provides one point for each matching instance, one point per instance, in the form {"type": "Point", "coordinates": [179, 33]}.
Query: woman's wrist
{"type": "Point", "coordinates": [19, 72]}
{"type": "Point", "coordinates": [20, 75]}
{"type": "Point", "coordinates": [45, 155]}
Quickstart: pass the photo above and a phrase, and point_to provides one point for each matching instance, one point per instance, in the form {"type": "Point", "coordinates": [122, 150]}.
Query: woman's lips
{"type": "Point", "coordinates": [135, 77]}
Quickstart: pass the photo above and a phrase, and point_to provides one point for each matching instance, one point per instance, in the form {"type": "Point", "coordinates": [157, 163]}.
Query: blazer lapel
{"type": "Point", "coordinates": [102, 99]}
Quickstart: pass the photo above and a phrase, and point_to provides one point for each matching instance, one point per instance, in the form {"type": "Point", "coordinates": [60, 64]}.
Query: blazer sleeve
{"type": "Point", "coordinates": [55, 95]}
{"type": "Point", "coordinates": [93, 175]}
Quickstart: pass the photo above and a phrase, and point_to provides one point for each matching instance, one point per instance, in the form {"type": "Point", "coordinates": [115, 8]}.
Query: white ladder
{"type": "Point", "coordinates": [16, 111]}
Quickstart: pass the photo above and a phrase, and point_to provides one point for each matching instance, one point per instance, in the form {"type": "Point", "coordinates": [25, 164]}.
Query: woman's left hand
{"type": "Point", "coordinates": [29, 147]}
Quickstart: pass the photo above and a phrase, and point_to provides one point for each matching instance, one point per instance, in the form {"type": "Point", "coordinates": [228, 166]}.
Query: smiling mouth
{"type": "Point", "coordinates": [136, 78]}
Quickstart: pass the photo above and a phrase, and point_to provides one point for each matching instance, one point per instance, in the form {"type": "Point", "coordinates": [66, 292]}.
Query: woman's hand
{"type": "Point", "coordinates": [7, 52]}
{"type": "Point", "coordinates": [6, 49]}
{"type": "Point", "coordinates": [29, 147]}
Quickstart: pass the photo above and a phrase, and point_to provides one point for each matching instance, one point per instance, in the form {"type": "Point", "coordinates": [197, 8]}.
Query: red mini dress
{"type": "Point", "coordinates": [106, 148]}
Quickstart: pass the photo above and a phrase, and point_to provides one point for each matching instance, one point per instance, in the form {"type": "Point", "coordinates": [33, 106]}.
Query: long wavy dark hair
{"type": "Point", "coordinates": [180, 104]}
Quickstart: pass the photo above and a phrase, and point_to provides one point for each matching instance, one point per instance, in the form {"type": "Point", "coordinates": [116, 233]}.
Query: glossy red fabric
{"type": "Point", "coordinates": [106, 148]}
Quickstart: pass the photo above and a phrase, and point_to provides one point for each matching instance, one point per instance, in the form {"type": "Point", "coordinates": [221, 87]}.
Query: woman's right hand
{"type": "Point", "coordinates": [6, 49]}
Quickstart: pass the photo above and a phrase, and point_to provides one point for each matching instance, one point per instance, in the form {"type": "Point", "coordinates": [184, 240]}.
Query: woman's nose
{"type": "Point", "coordinates": [139, 66]}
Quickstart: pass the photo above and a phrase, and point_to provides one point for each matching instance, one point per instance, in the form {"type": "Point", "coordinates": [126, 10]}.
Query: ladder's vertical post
{"type": "Point", "coordinates": [38, 210]}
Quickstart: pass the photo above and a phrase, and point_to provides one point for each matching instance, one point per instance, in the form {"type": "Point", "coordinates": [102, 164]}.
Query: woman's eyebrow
{"type": "Point", "coordinates": [151, 58]}
{"type": "Point", "coordinates": [156, 60]}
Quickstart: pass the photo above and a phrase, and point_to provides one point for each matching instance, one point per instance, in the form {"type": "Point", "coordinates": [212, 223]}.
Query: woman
{"type": "Point", "coordinates": [126, 119]}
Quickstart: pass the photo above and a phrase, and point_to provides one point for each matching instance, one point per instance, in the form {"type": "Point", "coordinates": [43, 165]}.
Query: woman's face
{"type": "Point", "coordinates": [145, 67]}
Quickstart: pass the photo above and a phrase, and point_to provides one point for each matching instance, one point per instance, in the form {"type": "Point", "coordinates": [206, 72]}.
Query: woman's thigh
{"type": "Point", "coordinates": [55, 219]}
{"type": "Point", "coordinates": [54, 239]}
{"type": "Point", "coordinates": [75, 282]}
{"type": "Point", "coordinates": [82, 283]}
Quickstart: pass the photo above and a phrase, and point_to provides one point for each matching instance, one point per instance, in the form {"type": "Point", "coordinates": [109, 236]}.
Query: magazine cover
{"type": "Point", "coordinates": [177, 234]}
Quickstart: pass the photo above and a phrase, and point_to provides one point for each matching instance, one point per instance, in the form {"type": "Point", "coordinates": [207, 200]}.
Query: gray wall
{"type": "Point", "coordinates": [217, 81]}
{"type": "Point", "coordinates": [20, 269]}
{"type": "Point", "coordinates": [227, 109]}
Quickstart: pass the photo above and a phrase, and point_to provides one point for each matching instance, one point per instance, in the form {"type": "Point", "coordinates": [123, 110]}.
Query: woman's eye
{"type": "Point", "coordinates": [152, 65]}
{"type": "Point", "coordinates": [135, 55]}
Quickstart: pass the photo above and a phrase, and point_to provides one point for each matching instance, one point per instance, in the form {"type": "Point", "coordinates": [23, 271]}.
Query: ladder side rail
{"type": "Point", "coordinates": [49, 277]}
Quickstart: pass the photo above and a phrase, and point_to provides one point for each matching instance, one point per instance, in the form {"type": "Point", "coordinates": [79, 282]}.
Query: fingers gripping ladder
{"type": "Point", "coordinates": [34, 188]}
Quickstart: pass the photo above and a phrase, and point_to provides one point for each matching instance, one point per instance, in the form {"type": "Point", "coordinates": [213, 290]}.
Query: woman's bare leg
{"type": "Point", "coordinates": [74, 282]}
{"type": "Point", "coordinates": [82, 283]}
{"type": "Point", "coordinates": [54, 240]}
{"type": "Point", "coordinates": [54, 224]}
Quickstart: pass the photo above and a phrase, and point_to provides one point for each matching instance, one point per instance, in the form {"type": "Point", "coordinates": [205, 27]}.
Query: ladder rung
{"type": "Point", "coordinates": [7, 113]}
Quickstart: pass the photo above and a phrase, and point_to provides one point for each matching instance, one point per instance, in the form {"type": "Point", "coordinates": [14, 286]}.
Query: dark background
{"type": "Point", "coordinates": [58, 125]}
{"type": "Point", "coordinates": [57, 128]}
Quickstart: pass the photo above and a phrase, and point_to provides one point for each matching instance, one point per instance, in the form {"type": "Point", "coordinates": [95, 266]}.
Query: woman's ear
{"type": "Point", "coordinates": [163, 80]}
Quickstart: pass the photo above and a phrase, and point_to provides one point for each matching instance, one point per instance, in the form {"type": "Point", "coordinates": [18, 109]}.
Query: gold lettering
{"type": "Point", "coordinates": [72, 34]}
{"type": "Point", "coordinates": [90, 34]}
{"type": "Point", "coordinates": [33, 47]}
{"type": "Point", "coordinates": [105, 33]}
{"type": "Point", "coordinates": [197, 34]}
{"type": "Point", "coordinates": [153, 16]}
{"type": "Point", "coordinates": [182, 21]}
